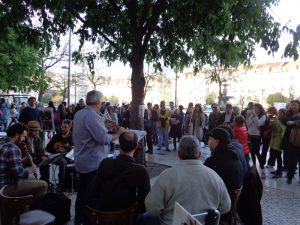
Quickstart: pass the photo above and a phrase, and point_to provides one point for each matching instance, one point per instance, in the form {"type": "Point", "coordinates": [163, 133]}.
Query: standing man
{"type": "Point", "coordinates": [91, 142]}
{"type": "Point", "coordinates": [227, 118]}
{"type": "Point", "coordinates": [149, 116]}
{"type": "Point", "coordinates": [163, 126]}
{"type": "Point", "coordinates": [30, 112]}
{"type": "Point", "coordinates": [80, 105]}
{"type": "Point", "coordinates": [12, 172]}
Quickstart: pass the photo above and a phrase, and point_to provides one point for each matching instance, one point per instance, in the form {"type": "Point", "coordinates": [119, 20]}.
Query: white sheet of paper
{"type": "Point", "coordinates": [181, 216]}
{"type": "Point", "coordinates": [70, 154]}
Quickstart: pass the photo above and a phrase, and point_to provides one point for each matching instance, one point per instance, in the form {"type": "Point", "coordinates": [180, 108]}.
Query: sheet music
{"type": "Point", "coordinates": [181, 216]}
{"type": "Point", "coordinates": [70, 154]}
{"type": "Point", "coordinates": [52, 158]}
{"type": "Point", "coordinates": [140, 134]}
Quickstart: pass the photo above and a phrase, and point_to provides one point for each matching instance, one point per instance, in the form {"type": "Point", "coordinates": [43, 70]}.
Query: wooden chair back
{"type": "Point", "coordinates": [123, 217]}
{"type": "Point", "coordinates": [234, 196]}
{"type": "Point", "coordinates": [12, 207]}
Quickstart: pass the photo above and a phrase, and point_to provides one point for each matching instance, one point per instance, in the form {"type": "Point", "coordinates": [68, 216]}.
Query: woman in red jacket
{"type": "Point", "coordinates": [240, 133]}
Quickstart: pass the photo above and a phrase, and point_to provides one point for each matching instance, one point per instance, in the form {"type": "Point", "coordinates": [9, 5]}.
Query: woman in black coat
{"type": "Point", "coordinates": [292, 153]}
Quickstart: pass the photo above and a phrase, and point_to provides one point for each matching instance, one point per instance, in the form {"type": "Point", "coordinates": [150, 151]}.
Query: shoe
{"type": "Point", "coordinates": [148, 151]}
{"type": "Point", "coordinates": [158, 149]}
{"type": "Point", "coordinates": [289, 181]}
{"type": "Point", "coordinates": [263, 174]}
{"type": "Point", "coordinates": [277, 175]}
{"type": "Point", "coordinates": [168, 150]}
{"type": "Point", "coordinates": [273, 172]}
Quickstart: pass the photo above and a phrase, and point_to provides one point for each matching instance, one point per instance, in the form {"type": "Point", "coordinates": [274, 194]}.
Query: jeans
{"type": "Point", "coordinates": [3, 125]}
{"type": "Point", "coordinates": [85, 180]}
{"type": "Point", "coordinates": [62, 165]}
{"type": "Point", "coordinates": [163, 136]}
{"type": "Point", "coordinates": [255, 146]}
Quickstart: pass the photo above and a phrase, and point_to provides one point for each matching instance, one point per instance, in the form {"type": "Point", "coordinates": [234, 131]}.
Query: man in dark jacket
{"type": "Point", "coordinates": [120, 183]}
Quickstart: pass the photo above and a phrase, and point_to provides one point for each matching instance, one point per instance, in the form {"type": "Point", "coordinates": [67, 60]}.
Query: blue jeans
{"type": "Point", "coordinates": [163, 136]}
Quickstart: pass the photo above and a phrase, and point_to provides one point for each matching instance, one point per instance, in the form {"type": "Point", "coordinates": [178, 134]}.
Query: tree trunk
{"type": "Point", "coordinates": [41, 93]}
{"type": "Point", "coordinates": [138, 96]}
{"type": "Point", "coordinates": [220, 93]}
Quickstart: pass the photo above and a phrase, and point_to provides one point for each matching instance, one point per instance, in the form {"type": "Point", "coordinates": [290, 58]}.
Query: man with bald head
{"type": "Point", "coordinates": [120, 183]}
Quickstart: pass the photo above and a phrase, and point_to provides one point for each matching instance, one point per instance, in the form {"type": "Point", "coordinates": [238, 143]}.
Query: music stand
{"type": "Point", "coordinates": [52, 158]}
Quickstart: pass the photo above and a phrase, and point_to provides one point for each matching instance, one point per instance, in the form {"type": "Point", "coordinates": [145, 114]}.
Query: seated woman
{"type": "Point", "coordinates": [224, 160]}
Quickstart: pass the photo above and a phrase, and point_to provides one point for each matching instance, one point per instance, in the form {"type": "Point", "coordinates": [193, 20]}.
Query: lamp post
{"type": "Point", "coordinates": [69, 67]}
{"type": "Point", "coordinates": [176, 87]}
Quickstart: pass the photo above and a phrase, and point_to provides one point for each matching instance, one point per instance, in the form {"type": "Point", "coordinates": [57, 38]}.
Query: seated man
{"type": "Point", "coordinates": [60, 143]}
{"type": "Point", "coordinates": [121, 183]}
{"type": "Point", "coordinates": [194, 186]}
{"type": "Point", "coordinates": [34, 146]}
{"type": "Point", "coordinates": [12, 173]}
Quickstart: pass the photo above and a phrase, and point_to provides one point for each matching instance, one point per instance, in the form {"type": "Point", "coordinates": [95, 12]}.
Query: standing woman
{"type": "Point", "coordinates": [196, 124]}
{"type": "Point", "coordinates": [256, 118]}
{"type": "Point", "coordinates": [14, 114]}
{"type": "Point", "coordinates": [290, 120]}
{"type": "Point", "coordinates": [59, 116]}
{"type": "Point", "coordinates": [175, 130]}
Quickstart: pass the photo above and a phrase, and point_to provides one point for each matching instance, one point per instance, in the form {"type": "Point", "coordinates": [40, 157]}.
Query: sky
{"type": "Point", "coordinates": [286, 12]}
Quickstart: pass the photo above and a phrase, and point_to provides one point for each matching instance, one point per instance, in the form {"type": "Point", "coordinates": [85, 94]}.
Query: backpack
{"type": "Point", "coordinates": [58, 204]}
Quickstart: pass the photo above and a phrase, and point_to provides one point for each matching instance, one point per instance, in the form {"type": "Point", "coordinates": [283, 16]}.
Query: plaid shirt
{"type": "Point", "coordinates": [10, 163]}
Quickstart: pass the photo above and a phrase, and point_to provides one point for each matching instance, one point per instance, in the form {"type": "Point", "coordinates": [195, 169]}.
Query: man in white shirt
{"type": "Point", "coordinates": [193, 185]}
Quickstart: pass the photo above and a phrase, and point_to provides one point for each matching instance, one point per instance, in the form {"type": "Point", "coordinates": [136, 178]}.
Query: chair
{"type": "Point", "coordinates": [13, 211]}
{"type": "Point", "coordinates": [123, 217]}
{"type": "Point", "coordinates": [234, 196]}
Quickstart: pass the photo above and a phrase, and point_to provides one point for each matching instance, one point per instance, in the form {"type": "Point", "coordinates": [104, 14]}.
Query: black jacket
{"type": "Point", "coordinates": [119, 184]}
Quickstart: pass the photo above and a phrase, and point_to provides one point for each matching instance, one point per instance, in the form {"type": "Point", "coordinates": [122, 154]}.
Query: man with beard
{"type": "Point", "coordinates": [12, 173]}
{"type": "Point", "coordinates": [60, 143]}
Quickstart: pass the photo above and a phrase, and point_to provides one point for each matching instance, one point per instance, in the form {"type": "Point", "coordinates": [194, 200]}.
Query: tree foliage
{"type": "Point", "coordinates": [20, 66]}
{"type": "Point", "coordinates": [276, 97]}
{"type": "Point", "coordinates": [211, 98]}
{"type": "Point", "coordinates": [176, 33]}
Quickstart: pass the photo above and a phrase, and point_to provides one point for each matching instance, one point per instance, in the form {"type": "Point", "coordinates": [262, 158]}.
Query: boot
{"type": "Point", "coordinates": [278, 174]}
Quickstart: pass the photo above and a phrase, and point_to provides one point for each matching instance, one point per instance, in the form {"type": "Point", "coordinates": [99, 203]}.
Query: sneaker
{"type": "Point", "coordinates": [263, 174]}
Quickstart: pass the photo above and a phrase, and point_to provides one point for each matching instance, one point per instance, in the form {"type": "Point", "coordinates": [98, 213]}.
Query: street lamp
{"type": "Point", "coordinates": [69, 66]}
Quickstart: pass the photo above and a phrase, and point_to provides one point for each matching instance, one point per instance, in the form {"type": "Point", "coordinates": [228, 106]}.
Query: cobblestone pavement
{"type": "Point", "coordinates": [280, 207]}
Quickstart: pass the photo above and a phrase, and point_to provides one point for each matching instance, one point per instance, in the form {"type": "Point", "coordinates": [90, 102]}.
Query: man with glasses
{"type": "Point", "coordinates": [61, 143]}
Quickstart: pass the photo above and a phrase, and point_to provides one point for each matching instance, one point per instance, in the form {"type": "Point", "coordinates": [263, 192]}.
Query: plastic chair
{"type": "Point", "coordinates": [123, 217]}
{"type": "Point", "coordinates": [13, 211]}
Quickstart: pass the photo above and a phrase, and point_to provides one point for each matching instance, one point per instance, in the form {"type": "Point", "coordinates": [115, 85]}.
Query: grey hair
{"type": "Point", "coordinates": [93, 96]}
{"type": "Point", "coordinates": [189, 147]}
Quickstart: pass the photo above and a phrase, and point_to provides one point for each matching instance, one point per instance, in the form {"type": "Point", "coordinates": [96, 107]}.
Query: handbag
{"type": "Point", "coordinates": [294, 137]}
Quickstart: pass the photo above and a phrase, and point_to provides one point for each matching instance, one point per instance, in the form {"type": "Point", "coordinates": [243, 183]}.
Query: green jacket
{"type": "Point", "coordinates": [277, 133]}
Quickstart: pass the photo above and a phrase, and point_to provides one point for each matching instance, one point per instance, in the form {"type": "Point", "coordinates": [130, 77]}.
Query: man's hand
{"type": "Point", "coordinates": [31, 169]}
{"type": "Point", "coordinates": [121, 130]}
{"type": "Point", "coordinates": [25, 160]}
{"type": "Point", "coordinates": [44, 157]}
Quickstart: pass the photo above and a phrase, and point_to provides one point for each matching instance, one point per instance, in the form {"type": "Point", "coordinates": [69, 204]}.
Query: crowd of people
{"type": "Point", "coordinates": [236, 140]}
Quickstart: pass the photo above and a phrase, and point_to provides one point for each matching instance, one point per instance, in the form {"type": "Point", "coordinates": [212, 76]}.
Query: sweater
{"type": "Point", "coordinates": [254, 123]}
{"type": "Point", "coordinates": [194, 186]}
{"type": "Point", "coordinates": [277, 133]}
